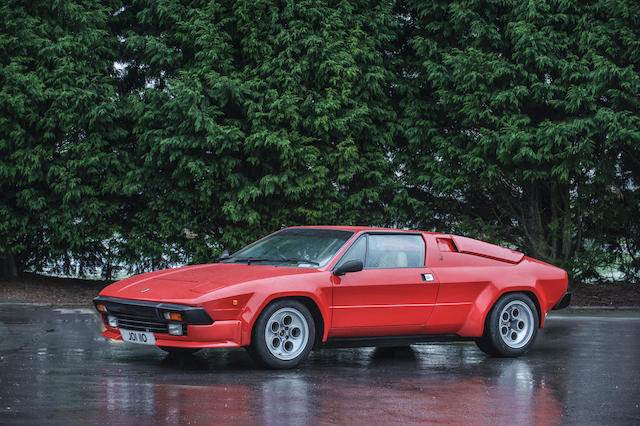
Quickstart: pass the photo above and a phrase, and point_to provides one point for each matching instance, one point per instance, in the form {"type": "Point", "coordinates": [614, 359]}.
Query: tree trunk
{"type": "Point", "coordinates": [8, 267]}
{"type": "Point", "coordinates": [549, 228]}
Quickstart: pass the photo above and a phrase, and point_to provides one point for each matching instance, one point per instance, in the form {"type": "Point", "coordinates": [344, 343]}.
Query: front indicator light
{"type": "Point", "coordinates": [173, 316]}
{"type": "Point", "coordinates": [101, 308]}
{"type": "Point", "coordinates": [175, 329]}
{"type": "Point", "coordinates": [112, 321]}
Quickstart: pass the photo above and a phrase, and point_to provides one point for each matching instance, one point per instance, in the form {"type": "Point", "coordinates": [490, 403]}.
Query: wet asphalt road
{"type": "Point", "coordinates": [56, 368]}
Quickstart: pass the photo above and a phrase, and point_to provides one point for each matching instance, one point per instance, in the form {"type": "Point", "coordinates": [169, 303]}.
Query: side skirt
{"type": "Point", "coordinates": [386, 341]}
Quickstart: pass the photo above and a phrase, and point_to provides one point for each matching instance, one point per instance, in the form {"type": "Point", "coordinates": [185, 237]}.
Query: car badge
{"type": "Point", "coordinates": [146, 289]}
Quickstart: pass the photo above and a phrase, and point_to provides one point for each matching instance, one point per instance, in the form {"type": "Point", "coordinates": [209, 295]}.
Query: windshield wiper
{"type": "Point", "coordinates": [251, 260]}
{"type": "Point", "coordinates": [296, 260]}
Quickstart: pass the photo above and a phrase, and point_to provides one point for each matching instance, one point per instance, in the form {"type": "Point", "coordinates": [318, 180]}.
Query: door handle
{"type": "Point", "coordinates": [427, 277]}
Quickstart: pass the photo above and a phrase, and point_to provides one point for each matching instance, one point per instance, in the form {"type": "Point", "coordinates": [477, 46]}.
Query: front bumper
{"type": "Point", "coordinates": [199, 330]}
{"type": "Point", "coordinates": [220, 334]}
{"type": "Point", "coordinates": [564, 302]}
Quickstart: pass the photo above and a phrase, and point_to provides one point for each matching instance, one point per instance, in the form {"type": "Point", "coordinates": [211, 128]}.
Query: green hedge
{"type": "Point", "coordinates": [148, 133]}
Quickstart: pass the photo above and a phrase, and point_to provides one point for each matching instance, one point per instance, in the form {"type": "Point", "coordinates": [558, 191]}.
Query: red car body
{"type": "Point", "coordinates": [449, 296]}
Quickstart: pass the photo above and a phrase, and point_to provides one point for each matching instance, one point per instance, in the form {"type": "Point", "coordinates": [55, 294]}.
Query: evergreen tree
{"type": "Point", "coordinates": [57, 131]}
{"type": "Point", "coordinates": [527, 107]}
{"type": "Point", "coordinates": [250, 116]}
{"type": "Point", "coordinates": [155, 133]}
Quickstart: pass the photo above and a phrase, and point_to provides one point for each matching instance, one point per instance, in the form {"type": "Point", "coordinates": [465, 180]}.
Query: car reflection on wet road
{"type": "Point", "coordinates": [56, 368]}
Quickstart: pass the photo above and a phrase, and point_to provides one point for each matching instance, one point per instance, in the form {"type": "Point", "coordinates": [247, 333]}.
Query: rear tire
{"type": "Point", "coordinates": [511, 327]}
{"type": "Point", "coordinates": [283, 335]}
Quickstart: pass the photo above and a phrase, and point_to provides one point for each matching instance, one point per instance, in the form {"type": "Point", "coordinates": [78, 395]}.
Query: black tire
{"type": "Point", "coordinates": [290, 336]}
{"type": "Point", "coordinates": [179, 351]}
{"type": "Point", "coordinates": [511, 326]}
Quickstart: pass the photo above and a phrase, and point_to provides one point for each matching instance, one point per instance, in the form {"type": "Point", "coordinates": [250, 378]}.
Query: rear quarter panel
{"type": "Point", "coordinates": [470, 285]}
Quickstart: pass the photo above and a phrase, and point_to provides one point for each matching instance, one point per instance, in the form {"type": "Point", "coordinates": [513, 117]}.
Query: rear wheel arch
{"type": "Point", "coordinates": [510, 326]}
{"type": "Point", "coordinates": [536, 302]}
{"type": "Point", "coordinates": [529, 293]}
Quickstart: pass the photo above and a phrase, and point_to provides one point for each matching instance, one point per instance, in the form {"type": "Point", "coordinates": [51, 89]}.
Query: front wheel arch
{"type": "Point", "coordinates": [276, 313]}
{"type": "Point", "coordinates": [318, 320]}
{"type": "Point", "coordinates": [310, 303]}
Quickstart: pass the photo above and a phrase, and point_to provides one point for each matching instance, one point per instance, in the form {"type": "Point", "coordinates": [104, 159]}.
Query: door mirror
{"type": "Point", "coordinates": [349, 266]}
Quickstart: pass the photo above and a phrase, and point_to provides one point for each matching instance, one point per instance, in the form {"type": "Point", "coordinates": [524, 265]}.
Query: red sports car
{"type": "Point", "coordinates": [315, 286]}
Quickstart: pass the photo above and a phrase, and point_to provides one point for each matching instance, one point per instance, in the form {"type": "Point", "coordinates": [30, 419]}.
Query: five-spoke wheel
{"type": "Point", "coordinates": [283, 335]}
{"type": "Point", "coordinates": [511, 326]}
{"type": "Point", "coordinates": [287, 333]}
{"type": "Point", "coordinates": [516, 324]}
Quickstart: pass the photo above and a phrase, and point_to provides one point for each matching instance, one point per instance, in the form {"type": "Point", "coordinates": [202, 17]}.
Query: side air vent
{"type": "Point", "coordinates": [446, 245]}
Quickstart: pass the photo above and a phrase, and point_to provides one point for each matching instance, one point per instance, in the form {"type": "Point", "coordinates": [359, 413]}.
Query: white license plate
{"type": "Point", "coordinates": [141, 337]}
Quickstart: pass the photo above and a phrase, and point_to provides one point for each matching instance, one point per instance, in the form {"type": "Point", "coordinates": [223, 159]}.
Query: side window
{"type": "Point", "coordinates": [395, 251]}
{"type": "Point", "coordinates": [356, 251]}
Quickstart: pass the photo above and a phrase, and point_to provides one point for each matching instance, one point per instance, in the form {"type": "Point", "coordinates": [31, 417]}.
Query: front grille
{"type": "Point", "coordinates": [129, 323]}
{"type": "Point", "coordinates": [141, 315]}
{"type": "Point", "coordinates": [136, 317]}
{"type": "Point", "coordinates": [132, 311]}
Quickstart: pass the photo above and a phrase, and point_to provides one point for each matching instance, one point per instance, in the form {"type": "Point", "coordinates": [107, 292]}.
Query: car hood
{"type": "Point", "coordinates": [193, 281]}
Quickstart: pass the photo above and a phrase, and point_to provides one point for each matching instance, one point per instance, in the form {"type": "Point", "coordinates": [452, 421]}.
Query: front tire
{"type": "Point", "coordinates": [283, 335]}
{"type": "Point", "coordinates": [511, 327]}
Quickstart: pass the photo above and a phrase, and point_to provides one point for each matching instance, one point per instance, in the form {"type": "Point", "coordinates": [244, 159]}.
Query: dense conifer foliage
{"type": "Point", "coordinates": [59, 133]}
{"type": "Point", "coordinates": [523, 122]}
{"type": "Point", "coordinates": [144, 134]}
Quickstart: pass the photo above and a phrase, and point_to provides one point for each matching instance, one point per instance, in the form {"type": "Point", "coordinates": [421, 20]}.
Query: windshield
{"type": "Point", "coordinates": [301, 247]}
